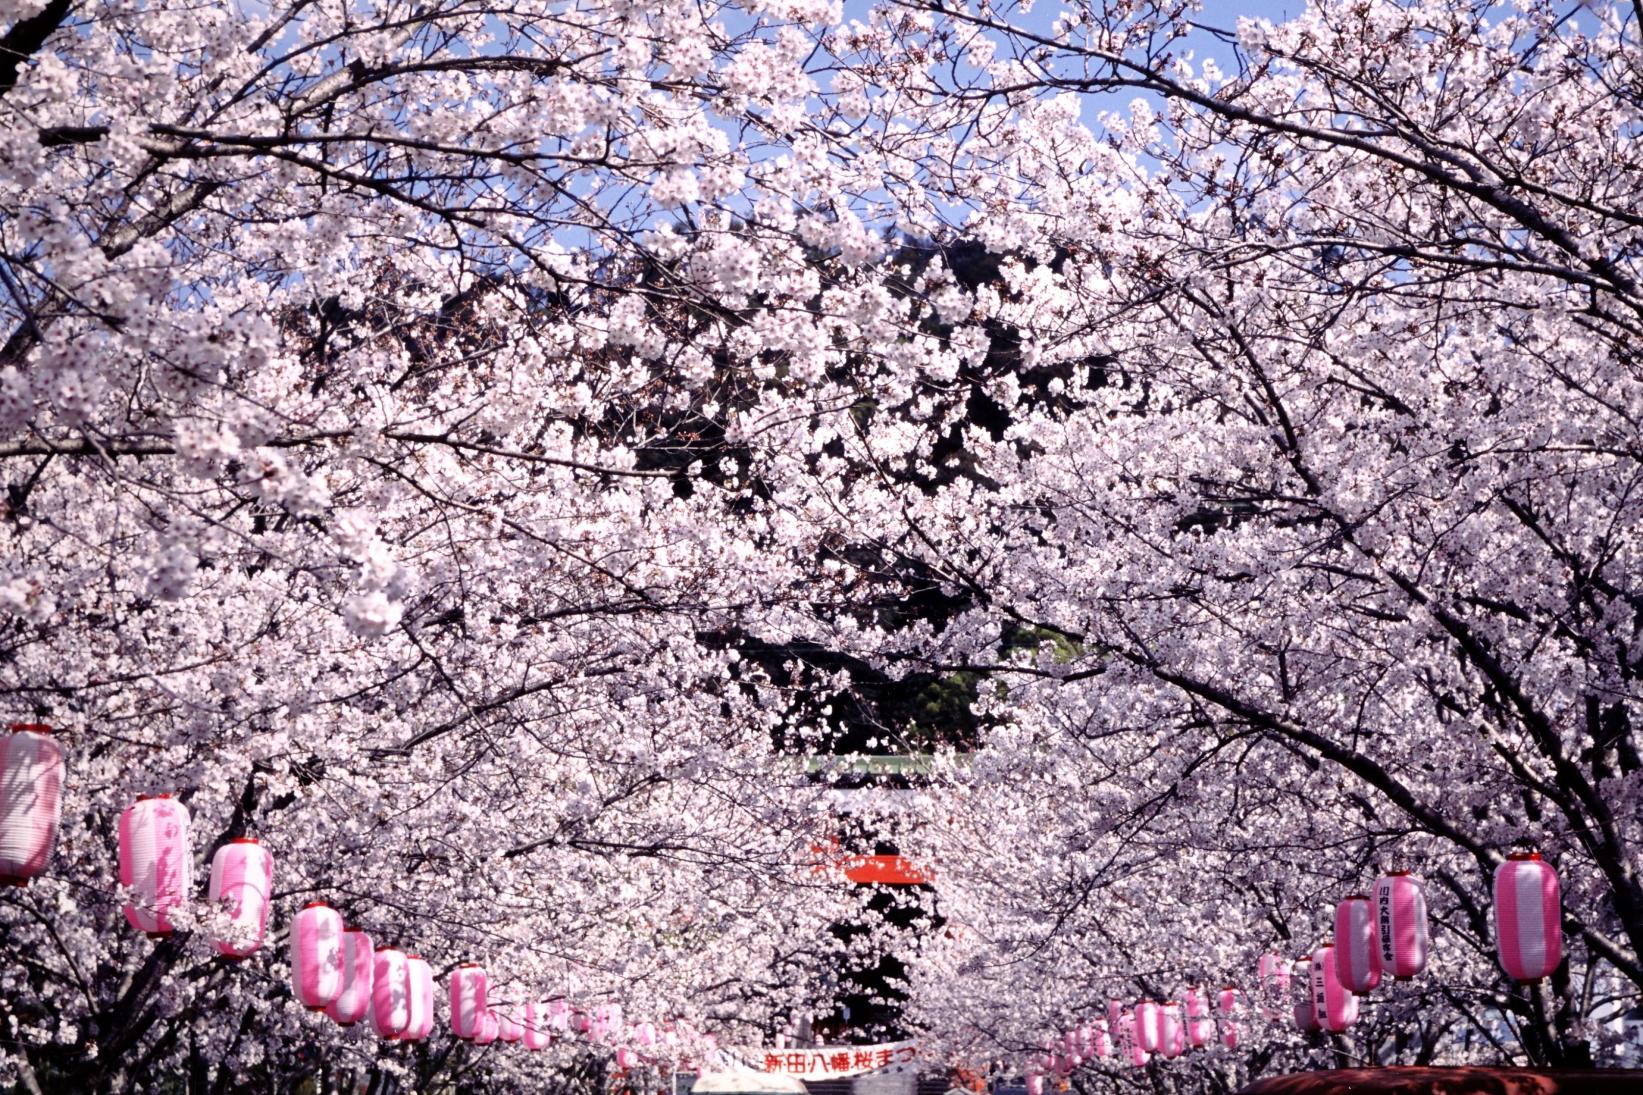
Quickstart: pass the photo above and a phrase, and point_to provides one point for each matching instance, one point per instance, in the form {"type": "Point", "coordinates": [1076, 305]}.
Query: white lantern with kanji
{"type": "Point", "coordinates": [31, 801]}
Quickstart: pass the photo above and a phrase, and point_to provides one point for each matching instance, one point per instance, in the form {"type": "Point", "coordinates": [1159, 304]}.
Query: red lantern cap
{"type": "Point", "coordinates": [245, 840]}
{"type": "Point", "coordinates": [29, 728]}
{"type": "Point", "coordinates": [316, 905]}
{"type": "Point", "coordinates": [1521, 857]}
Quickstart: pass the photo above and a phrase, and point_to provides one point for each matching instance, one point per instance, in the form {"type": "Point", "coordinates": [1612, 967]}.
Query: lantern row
{"type": "Point", "coordinates": [1374, 936]}
{"type": "Point", "coordinates": [335, 968]}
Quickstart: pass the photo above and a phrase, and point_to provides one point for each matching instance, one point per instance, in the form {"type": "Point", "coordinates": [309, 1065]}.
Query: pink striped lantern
{"type": "Point", "coordinates": [156, 862]}
{"type": "Point", "coordinates": [560, 1014]}
{"type": "Point", "coordinates": [1130, 1039]}
{"type": "Point", "coordinates": [1357, 945]}
{"type": "Point", "coordinates": [391, 993]}
{"type": "Point", "coordinates": [359, 966]}
{"type": "Point", "coordinates": [581, 1022]}
{"type": "Point", "coordinates": [626, 1059]}
{"type": "Point", "coordinates": [316, 955]}
{"type": "Point", "coordinates": [1227, 1005]}
{"type": "Point", "coordinates": [1035, 1084]}
{"type": "Point", "coordinates": [31, 801]}
{"type": "Point", "coordinates": [1148, 1025]}
{"type": "Point", "coordinates": [512, 1029]}
{"type": "Point", "coordinates": [242, 881]}
{"type": "Point", "coordinates": [1400, 924]}
{"type": "Point", "coordinates": [1333, 1004]}
{"type": "Point", "coordinates": [468, 985]}
{"type": "Point", "coordinates": [1101, 1045]}
{"type": "Point", "coordinates": [537, 1034]}
{"type": "Point", "coordinates": [1172, 1039]}
{"type": "Point", "coordinates": [1197, 1015]}
{"type": "Point", "coordinates": [1084, 1038]}
{"type": "Point", "coordinates": [644, 1034]}
{"type": "Point", "coordinates": [489, 1029]}
{"type": "Point", "coordinates": [420, 978]}
{"type": "Point", "coordinates": [1272, 985]}
{"type": "Point", "coordinates": [1306, 1017]}
{"type": "Point", "coordinates": [1072, 1050]}
{"type": "Point", "coordinates": [1528, 917]}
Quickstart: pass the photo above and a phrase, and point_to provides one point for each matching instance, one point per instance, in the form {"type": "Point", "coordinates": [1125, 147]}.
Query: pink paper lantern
{"type": "Point", "coordinates": [645, 1034]}
{"type": "Point", "coordinates": [468, 985]}
{"type": "Point", "coordinates": [1357, 945]}
{"type": "Point", "coordinates": [537, 1034]}
{"type": "Point", "coordinates": [606, 1024]}
{"type": "Point", "coordinates": [316, 955]}
{"type": "Point", "coordinates": [489, 1029]}
{"type": "Point", "coordinates": [420, 978]}
{"type": "Point", "coordinates": [1528, 917]}
{"type": "Point", "coordinates": [1035, 1084]}
{"type": "Point", "coordinates": [1149, 1025]}
{"type": "Point", "coordinates": [1197, 1015]}
{"type": "Point", "coordinates": [1101, 1043]}
{"type": "Point", "coordinates": [1172, 1039]}
{"type": "Point", "coordinates": [156, 863]}
{"type": "Point", "coordinates": [560, 1015]}
{"type": "Point", "coordinates": [392, 990]}
{"type": "Point", "coordinates": [1334, 1005]}
{"type": "Point", "coordinates": [242, 880]}
{"type": "Point", "coordinates": [1272, 985]}
{"type": "Point", "coordinates": [359, 966]}
{"type": "Point", "coordinates": [626, 1059]}
{"type": "Point", "coordinates": [1306, 1018]}
{"type": "Point", "coordinates": [512, 1030]}
{"type": "Point", "coordinates": [31, 801]}
{"type": "Point", "coordinates": [1400, 924]}
{"type": "Point", "coordinates": [1227, 1005]}
{"type": "Point", "coordinates": [1130, 1039]}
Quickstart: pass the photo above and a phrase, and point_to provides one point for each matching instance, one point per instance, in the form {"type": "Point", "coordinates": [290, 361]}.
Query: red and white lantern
{"type": "Point", "coordinates": [359, 965]}
{"type": "Point", "coordinates": [489, 1029]}
{"type": "Point", "coordinates": [1035, 1084]}
{"type": "Point", "coordinates": [1357, 945]}
{"type": "Point", "coordinates": [31, 801]}
{"type": "Point", "coordinates": [156, 862]}
{"type": "Point", "coordinates": [1227, 1005]}
{"type": "Point", "coordinates": [537, 1034]}
{"type": "Point", "coordinates": [1272, 985]}
{"type": "Point", "coordinates": [1149, 1025]}
{"type": "Point", "coordinates": [1197, 1014]}
{"type": "Point", "coordinates": [1334, 1005]}
{"type": "Point", "coordinates": [1172, 1039]}
{"type": "Point", "coordinates": [1400, 924]}
{"type": "Point", "coordinates": [468, 986]}
{"type": "Point", "coordinates": [242, 882]}
{"type": "Point", "coordinates": [512, 1029]}
{"type": "Point", "coordinates": [316, 955]}
{"type": "Point", "coordinates": [560, 1014]}
{"type": "Point", "coordinates": [1306, 1018]}
{"type": "Point", "coordinates": [420, 977]}
{"type": "Point", "coordinates": [1528, 917]}
{"type": "Point", "coordinates": [391, 993]}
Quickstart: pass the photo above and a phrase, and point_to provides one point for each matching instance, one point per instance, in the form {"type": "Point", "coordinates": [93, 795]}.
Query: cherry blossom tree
{"type": "Point", "coordinates": [468, 445]}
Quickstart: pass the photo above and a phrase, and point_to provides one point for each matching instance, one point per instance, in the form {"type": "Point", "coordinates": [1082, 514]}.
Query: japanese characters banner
{"type": "Point", "coordinates": [835, 1062]}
